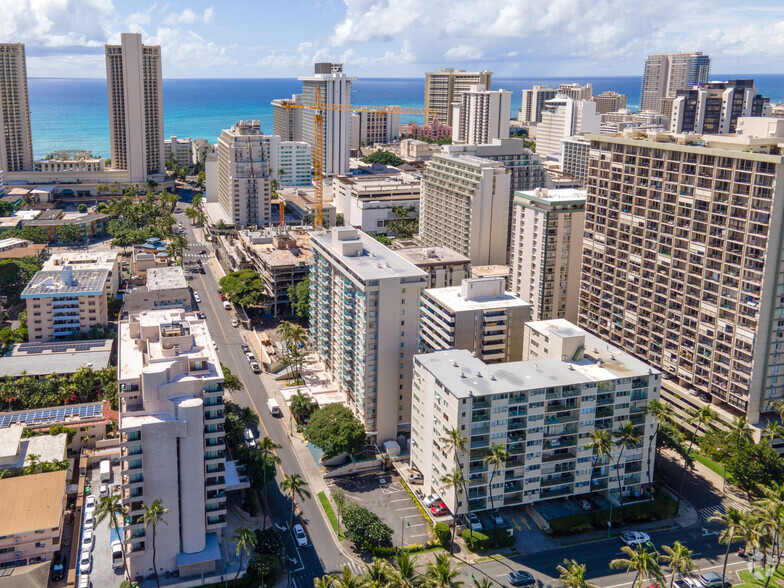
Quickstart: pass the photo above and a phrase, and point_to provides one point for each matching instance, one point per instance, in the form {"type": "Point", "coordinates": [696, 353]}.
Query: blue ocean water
{"type": "Point", "coordinates": [73, 113]}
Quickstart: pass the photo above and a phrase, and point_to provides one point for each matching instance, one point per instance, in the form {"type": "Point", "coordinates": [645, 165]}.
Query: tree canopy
{"type": "Point", "coordinates": [245, 287]}
{"type": "Point", "coordinates": [383, 157]}
{"type": "Point", "coordinates": [86, 385]}
{"type": "Point", "coordinates": [69, 234]}
{"type": "Point", "coordinates": [365, 527]}
{"type": "Point", "coordinates": [299, 296]}
{"type": "Point", "coordinates": [16, 273]}
{"type": "Point", "coordinates": [135, 222]}
{"type": "Point", "coordinates": [334, 429]}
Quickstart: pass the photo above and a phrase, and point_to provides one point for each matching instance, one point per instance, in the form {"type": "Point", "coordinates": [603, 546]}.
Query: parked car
{"type": "Point", "coordinates": [245, 347]}
{"type": "Point", "coordinates": [84, 581]}
{"type": "Point", "coordinates": [249, 440]}
{"type": "Point", "coordinates": [496, 516]}
{"type": "Point", "coordinates": [226, 305]}
{"type": "Point", "coordinates": [214, 345]}
{"type": "Point", "coordinates": [250, 356]}
{"type": "Point", "coordinates": [431, 500]}
{"type": "Point", "coordinates": [273, 407]}
{"type": "Point", "coordinates": [439, 509]}
{"type": "Point", "coordinates": [520, 578]}
{"type": "Point", "coordinates": [235, 323]}
{"type": "Point", "coordinates": [714, 580]}
{"type": "Point", "coordinates": [222, 296]}
{"type": "Point", "coordinates": [635, 538]}
{"type": "Point", "coordinates": [416, 478]}
{"type": "Point", "coordinates": [584, 504]}
{"type": "Point", "coordinates": [202, 315]}
{"type": "Point", "coordinates": [59, 566]}
{"type": "Point", "coordinates": [89, 504]}
{"type": "Point", "coordinates": [89, 521]}
{"type": "Point", "coordinates": [300, 536]}
{"type": "Point", "coordinates": [255, 367]}
{"type": "Point", "coordinates": [687, 583]}
{"type": "Point", "coordinates": [85, 562]}
{"type": "Point", "coordinates": [87, 540]}
{"type": "Point", "coordinates": [473, 520]}
{"type": "Point", "coordinates": [103, 490]}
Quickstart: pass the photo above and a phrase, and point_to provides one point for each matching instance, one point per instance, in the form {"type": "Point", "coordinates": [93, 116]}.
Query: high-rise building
{"type": "Point", "coordinates": [541, 410]}
{"type": "Point", "coordinates": [172, 442]}
{"type": "Point", "coordinates": [562, 118]}
{"type": "Point", "coordinates": [365, 325]}
{"type": "Point", "coordinates": [546, 241]}
{"type": "Point", "coordinates": [464, 205]}
{"type": "Point", "coordinates": [666, 73]}
{"type": "Point", "coordinates": [246, 159]}
{"type": "Point", "coordinates": [443, 266]}
{"type": "Point", "coordinates": [370, 127]}
{"type": "Point", "coordinates": [446, 86]}
{"type": "Point", "coordinates": [295, 161]}
{"type": "Point", "coordinates": [533, 103]}
{"type": "Point", "coordinates": [576, 91]}
{"type": "Point", "coordinates": [681, 263]}
{"type": "Point", "coordinates": [609, 101]}
{"type": "Point", "coordinates": [482, 115]}
{"type": "Point", "coordinates": [178, 150]}
{"type": "Point", "coordinates": [335, 89]}
{"type": "Point", "coordinates": [134, 80]}
{"type": "Point", "coordinates": [574, 157]}
{"type": "Point", "coordinates": [478, 315]}
{"type": "Point", "coordinates": [715, 107]}
{"type": "Point", "coordinates": [287, 122]}
{"type": "Point", "coordinates": [16, 147]}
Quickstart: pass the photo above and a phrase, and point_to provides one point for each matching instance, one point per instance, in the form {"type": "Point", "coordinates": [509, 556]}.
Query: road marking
{"type": "Point", "coordinates": [407, 508]}
{"type": "Point", "coordinates": [399, 499]}
{"type": "Point", "coordinates": [420, 535]}
{"type": "Point", "coordinates": [417, 525]}
{"type": "Point", "coordinates": [700, 569]}
{"type": "Point", "coordinates": [355, 497]}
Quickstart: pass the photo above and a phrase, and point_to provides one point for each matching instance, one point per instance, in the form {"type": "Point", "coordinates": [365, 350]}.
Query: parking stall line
{"type": "Point", "coordinates": [407, 508]}
{"type": "Point", "coordinates": [399, 500]}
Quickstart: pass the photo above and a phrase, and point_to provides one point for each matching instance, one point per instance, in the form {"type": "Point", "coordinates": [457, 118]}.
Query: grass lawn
{"type": "Point", "coordinates": [709, 463]}
{"type": "Point", "coordinates": [333, 519]}
{"type": "Point", "coordinates": [759, 577]}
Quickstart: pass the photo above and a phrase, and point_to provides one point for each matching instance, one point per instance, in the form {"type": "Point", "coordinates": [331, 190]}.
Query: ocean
{"type": "Point", "coordinates": [73, 113]}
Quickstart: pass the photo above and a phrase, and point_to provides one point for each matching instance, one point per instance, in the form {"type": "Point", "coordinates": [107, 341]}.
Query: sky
{"type": "Point", "coordinates": [397, 38]}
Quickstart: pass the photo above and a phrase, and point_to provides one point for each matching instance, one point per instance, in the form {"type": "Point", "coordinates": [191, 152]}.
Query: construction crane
{"type": "Point", "coordinates": [318, 139]}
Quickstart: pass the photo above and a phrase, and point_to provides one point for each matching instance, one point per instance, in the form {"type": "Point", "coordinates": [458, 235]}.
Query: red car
{"type": "Point", "coordinates": [222, 296]}
{"type": "Point", "coordinates": [202, 251]}
{"type": "Point", "coordinates": [439, 509]}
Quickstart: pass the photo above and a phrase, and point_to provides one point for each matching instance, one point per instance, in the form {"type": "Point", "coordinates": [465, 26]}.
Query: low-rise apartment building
{"type": "Point", "coordinates": [91, 224]}
{"type": "Point", "coordinates": [178, 150]}
{"type": "Point", "coordinates": [443, 266]}
{"type": "Point", "coordinates": [541, 410]}
{"type": "Point", "coordinates": [371, 202]}
{"type": "Point", "coordinates": [94, 259]}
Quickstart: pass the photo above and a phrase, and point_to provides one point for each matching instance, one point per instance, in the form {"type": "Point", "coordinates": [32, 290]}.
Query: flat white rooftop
{"type": "Point", "coordinates": [554, 196]}
{"type": "Point", "coordinates": [50, 283]}
{"type": "Point", "coordinates": [426, 256]}
{"type": "Point", "coordinates": [452, 298]}
{"type": "Point", "coordinates": [165, 278]}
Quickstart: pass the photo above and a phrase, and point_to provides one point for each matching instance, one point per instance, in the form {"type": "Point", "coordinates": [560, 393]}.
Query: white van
{"type": "Point", "coordinates": [255, 367]}
{"type": "Point", "coordinates": [273, 407]}
{"type": "Point", "coordinates": [106, 470]}
{"type": "Point", "coordinates": [117, 557]}
{"type": "Point", "coordinates": [226, 305]}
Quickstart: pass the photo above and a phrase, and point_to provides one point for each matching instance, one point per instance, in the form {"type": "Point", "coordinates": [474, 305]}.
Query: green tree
{"type": "Point", "coordinates": [69, 233]}
{"type": "Point", "coordinates": [108, 509]}
{"type": "Point", "coordinates": [152, 517]}
{"type": "Point", "coordinates": [82, 207]}
{"type": "Point", "coordinates": [733, 522]}
{"type": "Point", "coordinates": [245, 287]}
{"type": "Point", "coordinates": [334, 429]}
{"type": "Point", "coordinates": [702, 418]}
{"type": "Point", "coordinates": [384, 158]}
{"type": "Point", "coordinates": [266, 448]}
{"type": "Point", "coordinates": [299, 296]}
{"type": "Point", "coordinates": [678, 559]}
{"type": "Point", "coordinates": [661, 413]}
{"type": "Point", "coordinates": [363, 526]}
{"type": "Point", "coordinates": [6, 208]}
{"type": "Point", "coordinates": [441, 574]}
{"type": "Point", "coordinates": [644, 563]}
{"type": "Point", "coordinates": [301, 407]}
{"type": "Point", "coordinates": [601, 446]}
{"type": "Point", "coordinates": [196, 201]}
{"type": "Point", "coordinates": [572, 574]}
{"type": "Point", "coordinates": [405, 575]}
{"type": "Point", "coordinates": [177, 245]}
{"type": "Point", "coordinates": [339, 498]}
{"type": "Point", "coordinates": [454, 480]}
{"type": "Point", "coordinates": [346, 579]}
{"type": "Point", "coordinates": [294, 486]}
{"type": "Point", "coordinates": [246, 543]}
{"type": "Point", "coordinates": [383, 239]}
{"type": "Point", "coordinates": [16, 273]}
{"type": "Point", "coordinates": [231, 382]}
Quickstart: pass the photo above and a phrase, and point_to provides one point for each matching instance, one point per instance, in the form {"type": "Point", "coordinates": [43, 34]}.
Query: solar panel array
{"type": "Point", "coordinates": [60, 347]}
{"type": "Point", "coordinates": [51, 415]}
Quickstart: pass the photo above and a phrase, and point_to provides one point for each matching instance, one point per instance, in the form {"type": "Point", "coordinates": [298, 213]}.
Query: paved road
{"type": "Point", "coordinates": [310, 561]}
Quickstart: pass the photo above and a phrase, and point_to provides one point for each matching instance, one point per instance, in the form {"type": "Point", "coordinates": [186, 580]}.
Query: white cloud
{"type": "Point", "coordinates": [209, 15]}
{"type": "Point", "coordinates": [188, 16]}
{"type": "Point", "coordinates": [181, 48]}
{"type": "Point", "coordinates": [464, 53]}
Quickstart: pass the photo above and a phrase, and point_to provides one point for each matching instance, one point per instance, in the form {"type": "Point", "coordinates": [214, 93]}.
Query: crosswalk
{"type": "Point", "coordinates": [720, 508]}
{"type": "Point", "coordinates": [356, 568]}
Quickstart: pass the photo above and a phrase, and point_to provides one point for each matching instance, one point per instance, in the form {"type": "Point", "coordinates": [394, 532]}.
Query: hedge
{"type": "Point", "coordinates": [387, 552]}
{"type": "Point", "coordinates": [482, 540]}
{"type": "Point", "coordinates": [443, 534]}
{"type": "Point", "coordinates": [425, 515]}
{"type": "Point", "coordinates": [661, 507]}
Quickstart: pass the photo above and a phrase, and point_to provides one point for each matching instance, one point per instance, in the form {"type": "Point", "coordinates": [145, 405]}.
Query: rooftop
{"type": "Point", "coordinates": [427, 256]}
{"type": "Point", "coordinates": [468, 160]}
{"type": "Point", "coordinates": [64, 357]}
{"type": "Point", "coordinates": [82, 259]}
{"type": "Point", "coordinates": [362, 255]}
{"type": "Point", "coordinates": [554, 196]}
{"type": "Point", "coordinates": [454, 298]}
{"type": "Point", "coordinates": [80, 413]}
{"type": "Point", "coordinates": [165, 278]}
{"type": "Point", "coordinates": [16, 450]}
{"type": "Point", "coordinates": [32, 503]}
{"type": "Point", "coordinates": [66, 281]}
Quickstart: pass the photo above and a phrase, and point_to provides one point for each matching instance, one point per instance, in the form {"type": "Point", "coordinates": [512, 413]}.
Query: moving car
{"type": "Point", "coordinates": [473, 520]}
{"type": "Point", "coordinates": [59, 565]}
{"type": "Point", "coordinates": [202, 251]}
{"type": "Point", "coordinates": [635, 538]}
{"type": "Point", "coordinates": [249, 440]}
{"type": "Point", "coordinates": [439, 509]}
{"type": "Point", "coordinates": [520, 578]}
{"type": "Point", "coordinates": [714, 580]}
{"type": "Point", "coordinates": [235, 323]}
{"type": "Point", "coordinates": [431, 500]}
{"type": "Point", "coordinates": [85, 562]}
{"type": "Point", "coordinates": [299, 535]}
{"type": "Point", "coordinates": [273, 407]}
{"type": "Point", "coordinates": [87, 540]}
{"type": "Point", "coordinates": [89, 504]}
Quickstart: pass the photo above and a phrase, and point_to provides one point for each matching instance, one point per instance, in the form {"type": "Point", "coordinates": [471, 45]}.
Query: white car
{"type": "Point", "coordinates": [235, 323]}
{"type": "Point", "coordinates": [84, 581]}
{"type": "Point", "coordinates": [87, 540]}
{"type": "Point", "coordinates": [214, 344]}
{"type": "Point", "coordinates": [431, 500]}
{"type": "Point", "coordinates": [89, 504]}
{"type": "Point", "coordinates": [85, 562]}
{"type": "Point", "coordinates": [89, 521]}
{"type": "Point", "coordinates": [635, 538]}
{"type": "Point", "coordinates": [103, 490]}
{"type": "Point", "coordinates": [299, 535]}
{"type": "Point", "coordinates": [473, 520]}
{"type": "Point", "coordinates": [196, 297]}
{"type": "Point", "coordinates": [249, 440]}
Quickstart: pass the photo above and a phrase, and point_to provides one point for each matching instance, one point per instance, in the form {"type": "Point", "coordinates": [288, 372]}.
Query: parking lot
{"type": "Point", "coordinates": [102, 573]}
{"type": "Point", "coordinates": [384, 495]}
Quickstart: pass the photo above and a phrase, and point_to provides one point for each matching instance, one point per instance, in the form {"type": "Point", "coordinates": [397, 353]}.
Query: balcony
{"type": "Point", "coordinates": [554, 481]}
{"type": "Point", "coordinates": [558, 456]}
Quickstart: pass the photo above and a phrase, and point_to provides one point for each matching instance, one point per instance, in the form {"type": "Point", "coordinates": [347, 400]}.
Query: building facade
{"type": "Point", "coordinates": [715, 107]}
{"type": "Point", "coordinates": [70, 166]}
{"type": "Point", "coordinates": [295, 161]}
{"type": "Point", "coordinates": [172, 441]}
{"type": "Point", "coordinates": [434, 131]}
{"type": "Point", "coordinates": [364, 321]}
{"type": "Point", "coordinates": [478, 315]}
{"type": "Point", "coordinates": [533, 103]}
{"type": "Point", "coordinates": [609, 101]}
{"type": "Point", "coordinates": [482, 115]}
{"type": "Point", "coordinates": [464, 206]}
{"type": "Point", "coordinates": [574, 157]}
{"type": "Point", "coordinates": [545, 260]}
{"type": "Point", "coordinates": [178, 150]}
{"type": "Point", "coordinates": [444, 267]}
{"type": "Point", "coordinates": [287, 121]}
{"type": "Point", "coordinates": [372, 202]}
{"type": "Point", "coordinates": [134, 79]}
{"type": "Point", "coordinates": [16, 149]}
{"type": "Point", "coordinates": [562, 118]}
{"type": "Point", "coordinates": [666, 73]}
{"type": "Point", "coordinates": [371, 126]}
{"type": "Point", "coordinates": [541, 410]}
{"type": "Point", "coordinates": [680, 259]}
{"type": "Point", "coordinates": [446, 86]}
{"type": "Point", "coordinates": [576, 91]}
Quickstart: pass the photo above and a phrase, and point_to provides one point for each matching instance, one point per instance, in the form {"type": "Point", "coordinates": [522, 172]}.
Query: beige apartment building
{"type": "Point", "coordinates": [681, 262]}
{"type": "Point", "coordinates": [547, 239]}
{"type": "Point", "coordinates": [443, 266]}
{"type": "Point", "coordinates": [62, 301]}
{"type": "Point", "coordinates": [481, 115]}
{"type": "Point", "coordinates": [478, 315]}
{"type": "Point", "coordinates": [16, 149]}
{"type": "Point", "coordinates": [447, 86]}
{"type": "Point", "coordinates": [134, 80]}
{"type": "Point", "coordinates": [609, 101]}
{"type": "Point", "coordinates": [666, 73]}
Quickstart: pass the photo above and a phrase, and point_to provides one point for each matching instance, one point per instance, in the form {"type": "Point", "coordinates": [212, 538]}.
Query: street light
{"type": "Point", "coordinates": [403, 531]}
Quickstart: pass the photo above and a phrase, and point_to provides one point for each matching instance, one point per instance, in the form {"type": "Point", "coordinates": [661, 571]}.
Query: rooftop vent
{"type": "Point", "coordinates": [462, 375]}
{"type": "Point", "coordinates": [493, 378]}
{"type": "Point", "coordinates": [454, 363]}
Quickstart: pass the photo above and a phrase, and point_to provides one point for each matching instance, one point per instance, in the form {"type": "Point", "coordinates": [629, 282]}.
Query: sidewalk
{"type": "Point", "coordinates": [719, 485]}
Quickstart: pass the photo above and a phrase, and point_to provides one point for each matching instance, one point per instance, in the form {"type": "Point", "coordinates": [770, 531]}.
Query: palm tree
{"type": "Point", "coordinates": [248, 417]}
{"type": "Point", "coordinates": [108, 509]}
{"type": "Point", "coordinates": [453, 441]}
{"type": "Point", "coordinates": [772, 431]}
{"type": "Point", "coordinates": [483, 583]}
{"type": "Point", "coordinates": [702, 417]}
{"type": "Point", "coordinates": [678, 559]}
{"type": "Point", "coordinates": [456, 482]}
{"type": "Point", "coordinates": [246, 542]}
{"type": "Point", "coordinates": [377, 575]}
{"type": "Point", "coordinates": [625, 438]}
{"type": "Point", "coordinates": [641, 561]}
{"type": "Point", "coordinates": [732, 521]}
{"type": "Point", "coordinates": [34, 467]}
{"type": "Point", "coordinates": [601, 444]}
{"type": "Point", "coordinates": [405, 574]}
{"type": "Point", "coordinates": [294, 485]}
{"type": "Point", "coordinates": [153, 515]}
{"type": "Point", "coordinates": [573, 574]}
{"type": "Point", "coordinates": [347, 580]}
{"type": "Point", "coordinates": [322, 582]}
{"type": "Point", "coordinates": [441, 574]}
{"type": "Point", "coordinates": [496, 458]}
{"type": "Point", "coordinates": [661, 413]}
{"type": "Point", "coordinates": [265, 449]}
{"type": "Point", "coordinates": [301, 406]}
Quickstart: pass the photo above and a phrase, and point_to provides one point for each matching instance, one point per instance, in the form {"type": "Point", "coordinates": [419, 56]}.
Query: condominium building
{"type": "Point", "coordinates": [434, 131]}
{"type": "Point", "coordinates": [574, 157]}
{"type": "Point", "coordinates": [65, 300]}
{"type": "Point", "coordinates": [446, 86]}
{"type": "Point", "coordinates": [178, 150]}
{"type": "Point", "coordinates": [97, 259]}
{"type": "Point", "coordinates": [565, 117]}
{"type": "Point", "coordinates": [666, 73]}
{"type": "Point", "coordinates": [482, 115]}
{"type": "Point", "coordinates": [134, 80]}
{"type": "Point", "coordinates": [714, 107]}
{"type": "Point", "coordinates": [287, 121]}
{"type": "Point", "coordinates": [200, 148]}
{"type": "Point", "coordinates": [70, 166]}
{"type": "Point", "coordinates": [172, 444]}
{"type": "Point", "coordinates": [16, 148]}
{"type": "Point", "coordinates": [369, 127]}
{"type": "Point", "coordinates": [372, 202]}
{"type": "Point", "coordinates": [364, 318]}
{"type": "Point", "coordinates": [545, 260]}
{"type": "Point", "coordinates": [680, 259]}
{"type": "Point", "coordinates": [295, 162]}
{"type": "Point", "coordinates": [246, 160]}
{"type": "Point", "coordinates": [533, 103]}
{"type": "Point", "coordinates": [478, 315]}
{"type": "Point", "coordinates": [576, 91]}
{"type": "Point", "coordinates": [335, 89]}
{"type": "Point", "coordinates": [464, 205]}
{"type": "Point", "coordinates": [443, 266]}
{"type": "Point", "coordinates": [615, 122]}
{"type": "Point", "coordinates": [609, 101]}
{"type": "Point", "coordinates": [541, 410]}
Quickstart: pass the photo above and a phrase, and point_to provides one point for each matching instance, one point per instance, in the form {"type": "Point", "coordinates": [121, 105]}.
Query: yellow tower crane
{"type": "Point", "coordinates": [318, 139]}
